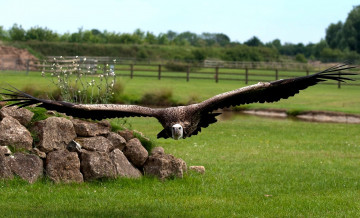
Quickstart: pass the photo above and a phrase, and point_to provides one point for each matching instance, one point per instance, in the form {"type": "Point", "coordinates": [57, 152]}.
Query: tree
{"type": "Point", "coordinates": [139, 34]}
{"type": "Point", "coordinates": [351, 30]}
{"type": "Point", "coordinates": [254, 41]}
{"type": "Point", "coordinates": [276, 43]}
{"type": "Point", "coordinates": [17, 33]}
{"type": "Point", "coordinates": [4, 35]}
{"type": "Point", "coordinates": [334, 35]}
{"type": "Point", "coordinates": [188, 36]}
{"type": "Point", "coordinates": [163, 39]}
{"type": "Point", "coordinates": [222, 39]}
{"type": "Point", "coordinates": [171, 35]}
{"type": "Point", "coordinates": [150, 38]}
{"type": "Point", "coordinates": [41, 34]}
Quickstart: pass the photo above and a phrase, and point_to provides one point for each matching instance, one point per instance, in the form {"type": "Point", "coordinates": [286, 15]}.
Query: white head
{"type": "Point", "coordinates": [177, 131]}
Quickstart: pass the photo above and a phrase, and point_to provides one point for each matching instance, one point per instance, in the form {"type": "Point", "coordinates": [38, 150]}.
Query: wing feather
{"type": "Point", "coordinates": [274, 91]}
{"type": "Point", "coordinates": [92, 111]}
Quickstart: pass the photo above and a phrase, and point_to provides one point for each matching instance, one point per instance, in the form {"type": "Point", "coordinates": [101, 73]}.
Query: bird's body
{"type": "Point", "coordinates": [185, 121]}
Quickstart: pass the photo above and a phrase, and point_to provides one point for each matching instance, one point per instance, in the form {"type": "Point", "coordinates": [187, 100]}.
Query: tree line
{"type": "Point", "coordinates": [342, 42]}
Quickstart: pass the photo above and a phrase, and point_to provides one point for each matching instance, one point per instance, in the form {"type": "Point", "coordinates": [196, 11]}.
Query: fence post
{"type": "Point", "coordinates": [27, 66]}
{"type": "Point", "coordinates": [339, 83]}
{"type": "Point", "coordinates": [131, 71]}
{"type": "Point", "coordinates": [104, 70]}
{"type": "Point", "coordinates": [246, 75]}
{"type": "Point", "coordinates": [276, 74]}
{"type": "Point", "coordinates": [188, 74]}
{"type": "Point", "coordinates": [307, 72]}
{"type": "Point", "coordinates": [159, 73]}
{"type": "Point", "coordinates": [216, 74]}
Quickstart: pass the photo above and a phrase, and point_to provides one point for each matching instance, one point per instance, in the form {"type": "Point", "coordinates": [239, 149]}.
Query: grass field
{"type": "Point", "coordinates": [320, 97]}
{"type": "Point", "coordinates": [255, 167]}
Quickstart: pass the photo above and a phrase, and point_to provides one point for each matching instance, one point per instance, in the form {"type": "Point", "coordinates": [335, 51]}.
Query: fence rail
{"type": "Point", "coordinates": [247, 72]}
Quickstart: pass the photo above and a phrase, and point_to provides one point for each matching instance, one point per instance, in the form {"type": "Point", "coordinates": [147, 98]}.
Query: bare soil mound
{"type": "Point", "coordinates": [12, 58]}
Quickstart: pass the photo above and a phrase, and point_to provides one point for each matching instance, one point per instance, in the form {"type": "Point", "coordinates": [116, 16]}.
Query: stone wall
{"type": "Point", "coordinates": [72, 150]}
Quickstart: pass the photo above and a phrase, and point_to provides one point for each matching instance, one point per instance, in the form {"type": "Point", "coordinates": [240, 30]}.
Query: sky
{"type": "Point", "coordinates": [293, 21]}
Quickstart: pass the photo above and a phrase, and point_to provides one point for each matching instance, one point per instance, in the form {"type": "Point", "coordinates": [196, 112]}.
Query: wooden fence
{"type": "Point", "coordinates": [246, 73]}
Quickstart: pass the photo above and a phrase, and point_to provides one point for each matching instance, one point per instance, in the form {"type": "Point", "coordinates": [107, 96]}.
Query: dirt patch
{"type": "Point", "coordinates": [314, 116]}
{"type": "Point", "coordinates": [12, 58]}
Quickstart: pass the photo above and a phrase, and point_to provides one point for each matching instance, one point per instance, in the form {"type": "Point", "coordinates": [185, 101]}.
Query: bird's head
{"type": "Point", "coordinates": [177, 131]}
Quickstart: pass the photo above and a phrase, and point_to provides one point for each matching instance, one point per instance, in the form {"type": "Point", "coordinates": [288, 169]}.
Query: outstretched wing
{"type": "Point", "coordinates": [92, 111]}
{"type": "Point", "coordinates": [273, 91]}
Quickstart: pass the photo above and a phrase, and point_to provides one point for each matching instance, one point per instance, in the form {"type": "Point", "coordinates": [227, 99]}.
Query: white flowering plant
{"type": "Point", "coordinates": [82, 80]}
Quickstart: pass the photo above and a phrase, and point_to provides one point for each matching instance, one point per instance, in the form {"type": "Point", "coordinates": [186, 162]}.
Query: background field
{"type": "Point", "coordinates": [320, 97]}
{"type": "Point", "coordinates": [255, 167]}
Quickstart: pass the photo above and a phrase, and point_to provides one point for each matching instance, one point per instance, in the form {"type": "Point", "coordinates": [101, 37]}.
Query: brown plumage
{"type": "Point", "coordinates": [185, 121]}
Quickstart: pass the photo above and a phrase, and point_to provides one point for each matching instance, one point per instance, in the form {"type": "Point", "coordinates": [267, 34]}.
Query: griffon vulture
{"type": "Point", "coordinates": [185, 121]}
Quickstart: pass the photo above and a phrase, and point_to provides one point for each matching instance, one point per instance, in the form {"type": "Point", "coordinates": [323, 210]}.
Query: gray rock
{"type": "Point", "coordinates": [5, 170]}
{"type": "Point", "coordinates": [157, 150]}
{"type": "Point", "coordinates": [54, 133]}
{"type": "Point", "coordinates": [95, 165]}
{"type": "Point", "coordinates": [135, 152]}
{"type": "Point", "coordinates": [97, 143]}
{"type": "Point", "coordinates": [126, 134]}
{"type": "Point", "coordinates": [117, 141]}
{"type": "Point", "coordinates": [39, 153]}
{"type": "Point", "coordinates": [85, 128]}
{"type": "Point", "coordinates": [4, 150]}
{"type": "Point", "coordinates": [164, 166]}
{"type": "Point", "coordinates": [14, 134]}
{"type": "Point", "coordinates": [123, 167]}
{"type": "Point", "coordinates": [199, 169]}
{"type": "Point", "coordinates": [22, 115]}
{"type": "Point", "coordinates": [28, 166]}
{"type": "Point", "coordinates": [63, 166]}
{"type": "Point", "coordinates": [73, 146]}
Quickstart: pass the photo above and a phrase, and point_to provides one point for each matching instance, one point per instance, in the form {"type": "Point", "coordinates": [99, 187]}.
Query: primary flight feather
{"type": "Point", "coordinates": [185, 121]}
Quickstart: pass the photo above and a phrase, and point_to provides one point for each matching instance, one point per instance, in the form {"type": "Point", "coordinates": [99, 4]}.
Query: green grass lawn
{"type": "Point", "coordinates": [255, 167]}
{"type": "Point", "coordinates": [319, 97]}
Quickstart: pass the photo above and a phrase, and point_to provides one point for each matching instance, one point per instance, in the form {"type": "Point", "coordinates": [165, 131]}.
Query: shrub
{"type": "Point", "coordinates": [176, 66]}
{"type": "Point", "coordinates": [161, 97]}
{"type": "Point", "coordinates": [79, 81]}
{"type": "Point", "coordinates": [300, 58]}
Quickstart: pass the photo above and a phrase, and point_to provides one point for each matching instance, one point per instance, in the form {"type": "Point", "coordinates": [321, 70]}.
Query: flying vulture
{"type": "Point", "coordinates": [185, 121]}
